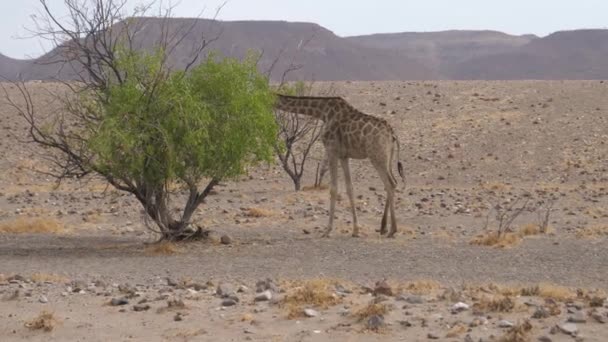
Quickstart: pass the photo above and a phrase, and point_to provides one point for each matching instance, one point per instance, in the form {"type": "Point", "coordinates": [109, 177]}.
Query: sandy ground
{"type": "Point", "coordinates": [467, 146]}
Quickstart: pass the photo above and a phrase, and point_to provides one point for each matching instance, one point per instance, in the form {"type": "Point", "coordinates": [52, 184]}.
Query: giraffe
{"type": "Point", "coordinates": [351, 134]}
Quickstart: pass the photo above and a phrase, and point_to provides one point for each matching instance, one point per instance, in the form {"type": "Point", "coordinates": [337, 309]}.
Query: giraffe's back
{"type": "Point", "coordinates": [357, 135]}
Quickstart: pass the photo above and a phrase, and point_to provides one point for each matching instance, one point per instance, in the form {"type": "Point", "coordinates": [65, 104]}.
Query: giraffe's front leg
{"type": "Point", "coordinates": [333, 193]}
{"type": "Point", "coordinates": [351, 195]}
{"type": "Point", "coordinates": [384, 219]}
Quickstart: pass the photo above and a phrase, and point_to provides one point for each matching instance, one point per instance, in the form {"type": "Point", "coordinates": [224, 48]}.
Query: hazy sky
{"type": "Point", "coordinates": [354, 17]}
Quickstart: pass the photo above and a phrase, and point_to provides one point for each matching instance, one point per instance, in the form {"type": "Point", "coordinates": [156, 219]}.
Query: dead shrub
{"type": "Point", "coordinates": [494, 239]}
{"type": "Point", "coordinates": [48, 277]}
{"type": "Point", "coordinates": [372, 309]}
{"type": "Point", "coordinates": [555, 292]}
{"type": "Point", "coordinates": [45, 321]}
{"type": "Point", "coordinates": [592, 232]}
{"type": "Point", "coordinates": [518, 333]}
{"type": "Point", "coordinates": [505, 240]}
{"type": "Point", "coordinates": [456, 330]}
{"type": "Point", "coordinates": [317, 293]}
{"type": "Point", "coordinates": [421, 287]}
{"type": "Point", "coordinates": [495, 304]}
{"type": "Point", "coordinates": [24, 225]}
{"type": "Point", "coordinates": [258, 212]}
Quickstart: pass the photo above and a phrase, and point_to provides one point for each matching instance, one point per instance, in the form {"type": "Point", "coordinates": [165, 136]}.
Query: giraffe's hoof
{"type": "Point", "coordinates": [356, 235]}
{"type": "Point", "coordinates": [391, 235]}
{"type": "Point", "coordinates": [325, 235]}
{"type": "Point", "coordinates": [382, 231]}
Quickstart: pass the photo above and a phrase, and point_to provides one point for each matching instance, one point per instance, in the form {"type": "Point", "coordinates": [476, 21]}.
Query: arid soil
{"type": "Point", "coordinates": [471, 150]}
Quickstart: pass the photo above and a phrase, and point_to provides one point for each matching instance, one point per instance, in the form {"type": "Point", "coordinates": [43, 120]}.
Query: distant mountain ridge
{"type": "Point", "coordinates": [456, 54]}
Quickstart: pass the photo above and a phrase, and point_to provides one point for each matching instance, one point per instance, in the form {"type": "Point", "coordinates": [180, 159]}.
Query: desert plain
{"type": "Point", "coordinates": [78, 264]}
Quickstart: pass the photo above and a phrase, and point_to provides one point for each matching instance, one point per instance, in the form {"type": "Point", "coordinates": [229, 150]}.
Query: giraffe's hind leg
{"type": "Point", "coordinates": [389, 185]}
{"type": "Point", "coordinates": [351, 195]}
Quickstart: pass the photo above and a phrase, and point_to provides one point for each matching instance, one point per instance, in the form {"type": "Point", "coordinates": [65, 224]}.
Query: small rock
{"type": "Point", "coordinates": [171, 282]}
{"type": "Point", "coordinates": [383, 288]}
{"type": "Point", "coordinates": [544, 339]}
{"type": "Point", "coordinates": [225, 290]}
{"type": "Point", "coordinates": [229, 302]}
{"type": "Point", "coordinates": [119, 301]}
{"type": "Point", "coordinates": [43, 299]}
{"type": "Point", "coordinates": [268, 284]}
{"type": "Point", "coordinates": [311, 313]}
{"type": "Point", "coordinates": [468, 338]}
{"type": "Point", "coordinates": [578, 317]}
{"type": "Point", "coordinates": [226, 240]}
{"type": "Point", "coordinates": [141, 307]}
{"type": "Point", "coordinates": [541, 312]}
{"type": "Point", "coordinates": [459, 307]}
{"type": "Point", "coordinates": [414, 300]}
{"type": "Point", "coordinates": [405, 324]}
{"type": "Point", "coordinates": [598, 317]}
{"type": "Point", "coordinates": [505, 324]}
{"type": "Point", "coordinates": [264, 296]}
{"type": "Point", "coordinates": [375, 322]}
{"type": "Point", "coordinates": [569, 329]}
{"type": "Point", "coordinates": [432, 336]}
{"type": "Point", "coordinates": [178, 317]}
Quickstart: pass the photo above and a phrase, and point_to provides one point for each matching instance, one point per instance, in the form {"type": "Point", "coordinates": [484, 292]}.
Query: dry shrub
{"type": "Point", "coordinates": [495, 304]}
{"type": "Point", "coordinates": [247, 317]}
{"type": "Point", "coordinates": [45, 321]}
{"type": "Point", "coordinates": [518, 333]}
{"type": "Point", "coordinates": [24, 225]}
{"type": "Point", "coordinates": [592, 232]}
{"type": "Point", "coordinates": [496, 240]}
{"type": "Point", "coordinates": [317, 293]}
{"type": "Point", "coordinates": [421, 287]}
{"type": "Point", "coordinates": [48, 277]}
{"type": "Point", "coordinates": [555, 292]}
{"type": "Point", "coordinates": [372, 309]}
{"type": "Point", "coordinates": [259, 212]}
{"type": "Point", "coordinates": [162, 248]}
{"type": "Point", "coordinates": [456, 331]}
{"type": "Point", "coordinates": [508, 239]}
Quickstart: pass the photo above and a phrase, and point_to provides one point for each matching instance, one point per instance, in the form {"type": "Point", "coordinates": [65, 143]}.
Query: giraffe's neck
{"type": "Point", "coordinates": [317, 107]}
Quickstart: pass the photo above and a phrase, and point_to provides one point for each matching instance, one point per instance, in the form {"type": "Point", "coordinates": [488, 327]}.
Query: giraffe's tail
{"type": "Point", "coordinates": [399, 164]}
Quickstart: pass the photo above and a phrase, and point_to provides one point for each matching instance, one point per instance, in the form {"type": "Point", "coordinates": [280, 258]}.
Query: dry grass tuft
{"type": "Point", "coordinates": [45, 321]}
{"type": "Point", "coordinates": [592, 232]}
{"type": "Point", "coordinates": [456, 331]}
{"type": "Point", "coordinates": [24, 225]}
{"type": "Point", "coordinates": [162, 248]}
{"type": "Point", "coordinates": [518, 333]}
{"type": "Point", "coordinates": [421, 287]}
{"type": "Point", "coordinates": [48, 277]}
{"type": "Point", "coordinates": [247, 317]}
{"type": "Point", "coordinates": [317, 293]}
{"type": "Point", "coordinates": [555, 292]}
{"type": "Point", "coordinates": [506, 240]}
{"type": "Point", "coordinates": [259, 212]}
{"type": "Point", "coordinates": [493, 239]}
{"type": "Point", "coordinates": [370, 310]}
{"type": "Point", "coordinates": [495, 304]}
